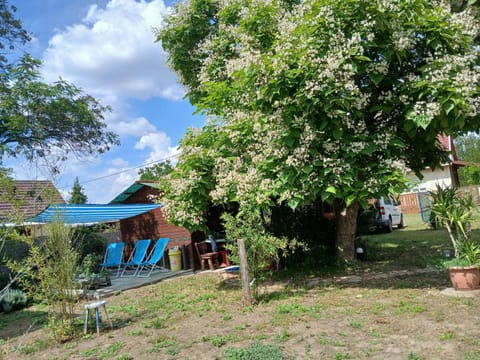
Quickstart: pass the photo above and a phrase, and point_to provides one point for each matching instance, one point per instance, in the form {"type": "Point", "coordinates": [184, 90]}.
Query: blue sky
{"type": "Point", "coordinates": [107, 48]}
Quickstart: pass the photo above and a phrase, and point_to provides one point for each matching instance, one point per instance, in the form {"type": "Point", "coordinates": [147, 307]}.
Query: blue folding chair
{"type": "Point", "coordinates": [155, 256]}
{"type": "Point", "coordinates": [137, 256]}
{"type": "Point", "coordinates": [114, 256]}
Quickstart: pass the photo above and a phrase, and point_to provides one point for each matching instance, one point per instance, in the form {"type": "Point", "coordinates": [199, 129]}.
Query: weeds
{"type": "Point", "coordinates": [449, 335]}
{"type": "Point", "coordinates": [282, 336]}
{"type": "Point", "coordinates": [255, 351]}
{"type": "Point", "coordinates": [354, 323]}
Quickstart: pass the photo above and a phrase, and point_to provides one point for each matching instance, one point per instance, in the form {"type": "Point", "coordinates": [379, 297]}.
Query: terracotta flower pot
{"type": "Point", "coordinates": [465, 278]}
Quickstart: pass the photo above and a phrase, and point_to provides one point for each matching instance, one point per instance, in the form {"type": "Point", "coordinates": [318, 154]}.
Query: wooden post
{"type": "Point", "coordinates": [247, 299]}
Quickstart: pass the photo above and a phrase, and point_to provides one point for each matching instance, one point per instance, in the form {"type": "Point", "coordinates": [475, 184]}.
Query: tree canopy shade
{"type": "Point", "coordinates": [319, 99]}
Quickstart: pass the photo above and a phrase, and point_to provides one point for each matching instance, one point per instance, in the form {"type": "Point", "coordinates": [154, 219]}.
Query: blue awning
{"type": "Point", "coordinates": [91, 213]}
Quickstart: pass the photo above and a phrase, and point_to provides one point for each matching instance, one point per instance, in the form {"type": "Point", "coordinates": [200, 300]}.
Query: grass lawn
{"type": "Point", "coordinates": [373, 310]}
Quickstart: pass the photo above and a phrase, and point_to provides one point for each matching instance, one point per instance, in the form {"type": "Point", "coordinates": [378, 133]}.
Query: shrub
{"type": "Point", "coordinates": [87, 241]}
{"type": "Point", "coordinates": [263, 250]}
{"type": "Point", "coordinates": [91, 265]}
{"type": "Point", "coordinates": [454, 210]}
{"type": "Point", "coordinates": [13, 300]}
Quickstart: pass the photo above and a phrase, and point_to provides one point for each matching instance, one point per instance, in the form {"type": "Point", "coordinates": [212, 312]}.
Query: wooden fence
{"type": "Point", "coordinates": [410, 201]}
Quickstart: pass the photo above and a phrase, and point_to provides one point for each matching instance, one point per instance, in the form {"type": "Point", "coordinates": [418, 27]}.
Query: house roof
{"type": "Point", "coordinates": [132, 189]}
{"type": "Point", "coordinates": [91, 213]}
{"type": "Point", "coordinates": [446, 143]}
{"type": "Point", "coordinates": [22, 199]}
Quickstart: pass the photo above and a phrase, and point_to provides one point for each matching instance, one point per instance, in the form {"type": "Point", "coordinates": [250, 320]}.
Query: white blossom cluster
{"type": "Point", "coordinates": [313, 106]}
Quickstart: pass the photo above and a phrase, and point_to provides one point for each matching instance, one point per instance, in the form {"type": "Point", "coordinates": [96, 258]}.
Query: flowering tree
{"type": "Point", "coordinates": [320, 99]}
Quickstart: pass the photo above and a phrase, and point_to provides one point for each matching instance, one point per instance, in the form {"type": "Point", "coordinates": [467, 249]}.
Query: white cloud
{"type": "Point", "coordinates": [159, 144]}
{"type": "Point", "coordinates": [136, 127]}
{"type": "Point", "coordinates": [106, 189]}
{"type": "Point", "coordinates": [112, 52]}
{"type": "Point", "coordinates": [119, 162]}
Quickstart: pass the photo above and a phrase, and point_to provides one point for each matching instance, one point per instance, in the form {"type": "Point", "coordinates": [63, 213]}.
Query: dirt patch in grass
{"type": "Point", "coordinates": [396, 316]}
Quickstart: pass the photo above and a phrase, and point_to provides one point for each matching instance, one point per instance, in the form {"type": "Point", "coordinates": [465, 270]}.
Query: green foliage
{"type": "Point", "coordinates": [454, 210]}
{"type": "Point", "coordinates": [76, 195]}
{"type": "Point", "coordinates": [255, 351]}
{"type": "Point", "coordinates": [263, 249]}
{"type": "Point", "coordinates": [13, 299]}
{"type": "Point", "coordinates": [469, 175]}
{"type": "Point", "coordinates": [49, 274]}
{"type": "Point", "coordinates": [319, 100]}
{"type": "Point", "coordinates": [12, 35]}
{"type": "Point", "coordinates": [469, 254]}
{"type": "Point", "coordinates": [194, 177]}
{"type": "Point", "coordinates": [90, 265]}
{"type": "Point", "coordinates": [87, 240]}
{"type": "Point", "coordinates": [468, 149]}
{"type": "Point", "coordinates": [14, 246]}
{"type": "Point", "coordinates": [156, 172]}
{"type": "Point", "coordinates": [36, 116]}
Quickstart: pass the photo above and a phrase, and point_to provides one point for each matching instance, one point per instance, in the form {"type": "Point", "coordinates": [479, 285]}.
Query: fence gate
{"type": "Point", "coordinates": [424, 202]}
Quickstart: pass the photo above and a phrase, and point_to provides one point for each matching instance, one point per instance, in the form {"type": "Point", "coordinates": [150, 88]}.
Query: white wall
{"type": "Point", "coordinates": [440, 176]}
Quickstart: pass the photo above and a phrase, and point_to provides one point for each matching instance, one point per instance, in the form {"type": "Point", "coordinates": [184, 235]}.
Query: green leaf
{"type": "Point", "coordinates": [293, 203]}
{"type": "Point", "coordinates": [363, 58]}
{"type": "Point", "coordinates": [420, 120]}
{"type": "Point", "coordinates": [448, 107]}
{"type": "Point", "coordinates": [350, 199]}
{"type": "Point", "coordinates": [331, 190]}
{"type": "Point", "coordinates": [337, 133]}
{"type": "Point", "coordinates": [376, 78]}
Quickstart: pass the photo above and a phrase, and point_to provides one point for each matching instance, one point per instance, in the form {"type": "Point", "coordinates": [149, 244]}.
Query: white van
{"type": "Point", "coordinates": [389, 213]}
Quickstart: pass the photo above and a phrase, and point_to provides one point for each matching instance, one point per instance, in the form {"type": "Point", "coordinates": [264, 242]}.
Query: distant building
{"type": "Point", "coordinates": [23, 199]}
{"type": "Point", "coordinates": [415, 200]}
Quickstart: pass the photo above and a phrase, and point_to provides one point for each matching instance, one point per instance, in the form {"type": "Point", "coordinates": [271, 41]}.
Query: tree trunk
{"type": "Point", "coordinates": [346, 231]}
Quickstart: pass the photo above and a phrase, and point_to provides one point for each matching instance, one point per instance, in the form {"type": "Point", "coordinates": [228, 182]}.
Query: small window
{"type": "Point", "coordinates": [393, 200]}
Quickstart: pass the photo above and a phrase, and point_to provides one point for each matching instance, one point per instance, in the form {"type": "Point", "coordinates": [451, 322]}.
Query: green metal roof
{"type": "Point", "coordinates": [132, 189]}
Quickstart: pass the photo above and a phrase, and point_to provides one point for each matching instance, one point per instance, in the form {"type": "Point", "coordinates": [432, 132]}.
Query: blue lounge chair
{"type": "Point", "coordinates": [137, 256]}
{"type": "Point", "coordinates": [113, 256]}
{"type": "Point", "coordinates": [155, 256]}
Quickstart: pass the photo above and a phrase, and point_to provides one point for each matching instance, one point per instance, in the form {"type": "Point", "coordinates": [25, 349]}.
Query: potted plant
{"type": "Point", "coordinates": [453, 210]}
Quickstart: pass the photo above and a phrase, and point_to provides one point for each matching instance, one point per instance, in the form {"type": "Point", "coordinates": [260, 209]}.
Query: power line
{"type": "Point", "coordinates": [130, 169]}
